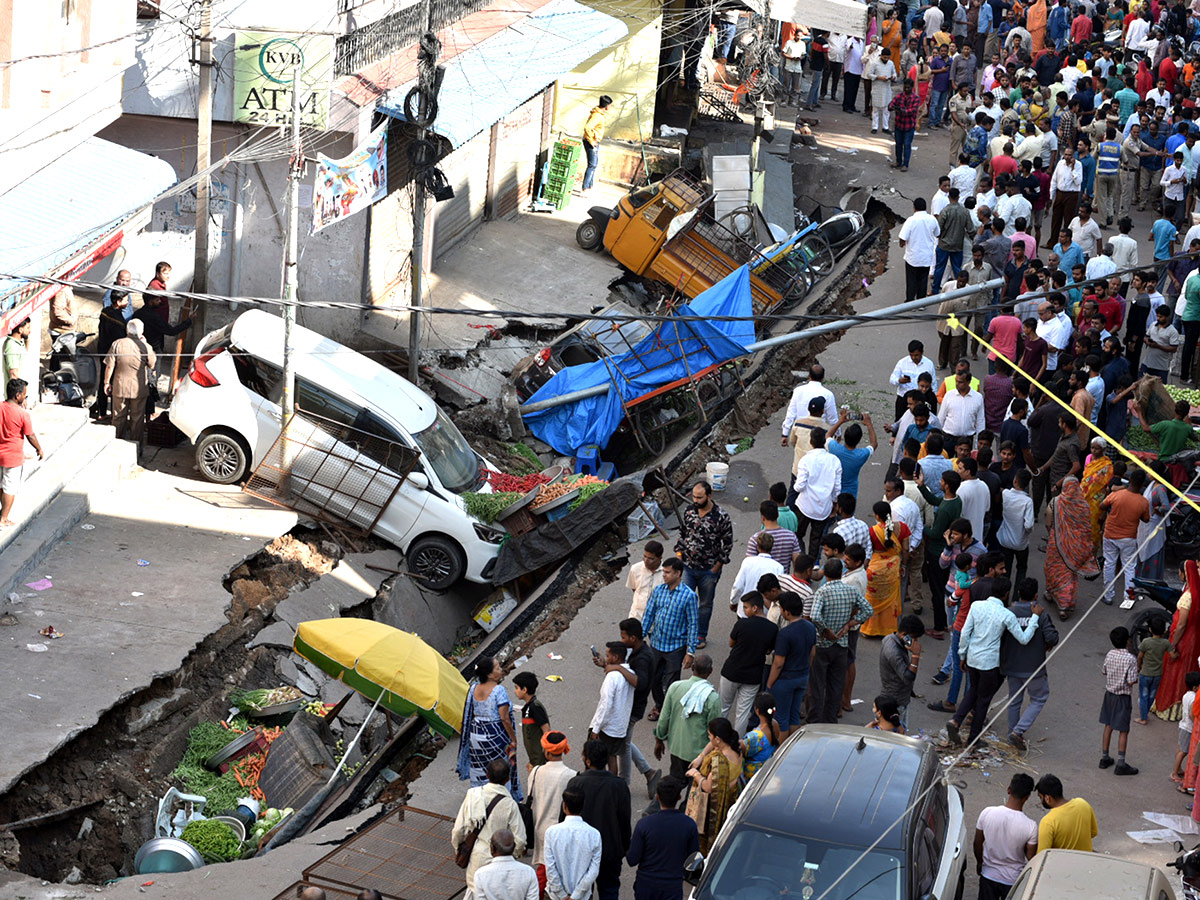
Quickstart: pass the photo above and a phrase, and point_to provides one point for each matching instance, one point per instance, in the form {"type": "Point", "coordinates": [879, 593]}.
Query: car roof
{"type": "Point", "coordinates": [842, 784]}
{"type": "Point", "coordinates": [340, 369]}
{"type": "Point", "coordinates": [1063, 874]}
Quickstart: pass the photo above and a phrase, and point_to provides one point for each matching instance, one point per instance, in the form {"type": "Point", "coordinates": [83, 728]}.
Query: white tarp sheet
{"type": "Point", "coordinates": [845, 16]}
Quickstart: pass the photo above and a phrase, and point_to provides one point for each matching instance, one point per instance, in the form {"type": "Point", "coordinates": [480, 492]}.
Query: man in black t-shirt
{"type": "Point", "coordinates": [750, 640]}
{"type": "Point", "coordinates": [641, 661]}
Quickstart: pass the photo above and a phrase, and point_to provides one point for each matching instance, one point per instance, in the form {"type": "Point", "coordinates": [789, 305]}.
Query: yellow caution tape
{"type": "Point", "coordinates": [954, 322]}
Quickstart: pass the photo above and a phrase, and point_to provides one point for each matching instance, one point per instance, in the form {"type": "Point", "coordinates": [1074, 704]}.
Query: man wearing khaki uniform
{"type": "Point", "coordinates": [1132, 150]}
{"type": "Point", "coordinates": [127, 380]}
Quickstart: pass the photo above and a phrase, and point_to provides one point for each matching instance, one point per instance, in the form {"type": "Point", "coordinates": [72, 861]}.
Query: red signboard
{"type": "Point", "coordinates": [74, 267]}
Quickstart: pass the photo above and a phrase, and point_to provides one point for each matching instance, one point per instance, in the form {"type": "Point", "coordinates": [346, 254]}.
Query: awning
{"type": "Point", "coordinates": [73, 212]}
{"type": "Point", "coordinates": [845, 16]}
{"type": "Point", "coordinates": [486, 83]}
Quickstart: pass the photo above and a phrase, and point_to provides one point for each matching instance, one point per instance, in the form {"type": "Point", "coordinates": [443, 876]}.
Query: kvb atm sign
{"type": "Point", "coordinates": [264, 71]}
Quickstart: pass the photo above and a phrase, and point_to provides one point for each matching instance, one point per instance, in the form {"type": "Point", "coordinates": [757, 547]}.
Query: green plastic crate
{"type": "Point", "coordinates": [566, 151]}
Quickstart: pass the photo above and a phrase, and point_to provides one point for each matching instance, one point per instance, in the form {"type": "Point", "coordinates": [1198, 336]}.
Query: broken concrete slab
{"type": "Point", "coordinates": [436, 618]}
{"type": "Point", "coordinates": [287, 669]}
{"type": "Point", "coordinates": [116, 644]}
{"type": "Point", "coordinates": [350, 584]}
{"type": "Point", "coordinates": [277, 634]}
{"type": "Point", "coordinates": [154, 711]}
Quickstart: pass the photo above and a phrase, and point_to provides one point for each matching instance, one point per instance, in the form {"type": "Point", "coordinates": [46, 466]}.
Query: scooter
{"type": "Point", "coordinates": [1188, 867]}
{"type": "Point", "coordinates": [1164, 597]}
{"type": "Point", "coordinates": [1183, 531]}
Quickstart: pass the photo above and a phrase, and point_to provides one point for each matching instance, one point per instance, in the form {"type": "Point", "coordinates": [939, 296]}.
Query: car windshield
{"type": "Point", "coordinates": [763, 865]}
{"type": "Point", "coordinates": [456, 464]}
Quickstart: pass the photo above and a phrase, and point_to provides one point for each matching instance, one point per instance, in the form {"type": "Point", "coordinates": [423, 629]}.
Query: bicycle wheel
{"type": "Point", "coordinates": [817, 254]}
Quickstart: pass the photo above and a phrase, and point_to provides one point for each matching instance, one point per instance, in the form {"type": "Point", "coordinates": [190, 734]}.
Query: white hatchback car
{"type": "Point", "coordinates": [229, 407]}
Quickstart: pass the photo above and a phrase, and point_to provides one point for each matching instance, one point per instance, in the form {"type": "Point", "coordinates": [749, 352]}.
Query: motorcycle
{"type": "Point", "coordinates": [1188, 867]}
{"type": "Point", "coordinates": [1163, 597]}
{"type": "Point", "coordinates": [1183, 531]}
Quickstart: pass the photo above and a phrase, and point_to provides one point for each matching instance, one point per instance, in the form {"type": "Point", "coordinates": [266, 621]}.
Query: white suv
{"type": "Point", "coordinates": [229, 407]}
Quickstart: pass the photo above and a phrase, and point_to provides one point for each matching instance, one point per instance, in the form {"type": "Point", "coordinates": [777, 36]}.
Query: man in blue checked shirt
{"type": "Point", "coordinates": [671, 624]}
{"type": "Point", "coordinates": [979, 650]}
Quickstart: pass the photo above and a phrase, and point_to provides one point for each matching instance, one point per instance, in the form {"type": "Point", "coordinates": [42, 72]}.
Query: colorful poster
{"type": "Point", "coordinates": [344, 186]}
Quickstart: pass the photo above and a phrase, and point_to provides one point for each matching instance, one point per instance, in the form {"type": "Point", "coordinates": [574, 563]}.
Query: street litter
{"type": "Point", "coordinates": [1181, 824]}
{"type": "Point", "coordinates": [142, 562]}
{"type": "Point", "coordinates": [136, 594]}
{"type": "Point", "coordinates": [554, 678]}
{"type": "Point", "coordinates": [1154, 836]}
{"type": "Point", "coordinates": [847, 150]}
{"type": "Point", "coordinates": [554, 655]}
{"type": "Point", "coordinates": [49, 632]}
{"type": "Point", "coordinates": [35, 696]}
{"type": "Point", "coordinates": [1127, 603]}
{"type": "Point", "coordinates": [86, 527]}
{"type": "Point", "coordinates": [36, 648]}
{"type": "Point", "coordinates": [40, 585]}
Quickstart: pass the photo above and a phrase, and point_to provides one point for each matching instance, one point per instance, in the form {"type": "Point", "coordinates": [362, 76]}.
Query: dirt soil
{"type": "Point", "coordinates": [115, 775]}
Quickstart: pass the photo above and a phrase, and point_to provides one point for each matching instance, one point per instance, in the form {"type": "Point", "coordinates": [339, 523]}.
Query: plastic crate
{"type": "Point", "coordinates": [565, 170]}
{"type": "Point", "coordinates": [566, 151]}
{"type": "Point", "coordinates": [160, 432]}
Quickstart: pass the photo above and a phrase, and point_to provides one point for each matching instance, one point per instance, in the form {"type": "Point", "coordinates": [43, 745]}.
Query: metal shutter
{"type": "Point", "coordinates": [517, 143]}
{"type": "Point", "coordinates": [465, 169]}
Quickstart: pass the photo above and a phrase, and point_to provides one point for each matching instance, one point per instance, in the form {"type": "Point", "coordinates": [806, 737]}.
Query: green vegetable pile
{"type": "Point", "coordinates": [486, 507]}
{"type": "Point", "coordinates": [586, 493]}
{"type": "Point", "coordinates": [526, 452]}
{"type": "Point", "coordinates": [261, 699]}
{"type": "Point", "coordinates": [214, 841]}
{"type": "Point", "coordinates": [221, 791]}
{"type": "Point", "coordinates": [1191, 395]}
{"type": "Point", "coordinates": [743, 445]}
{"type": "Point", "coordinates": [268, 820]}
{"type": "Point", "coordinates": [1141, 440]}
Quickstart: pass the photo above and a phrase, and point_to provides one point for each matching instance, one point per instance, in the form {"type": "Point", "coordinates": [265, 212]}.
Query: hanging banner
{"type": "Point", "coordinates": [264, 70]}
{"type": "Point", "coordinates": [344, 186]}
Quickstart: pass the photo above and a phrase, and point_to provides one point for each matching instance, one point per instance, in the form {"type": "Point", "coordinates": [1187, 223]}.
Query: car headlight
{"type": "Point", "coordinates": [487, 534]}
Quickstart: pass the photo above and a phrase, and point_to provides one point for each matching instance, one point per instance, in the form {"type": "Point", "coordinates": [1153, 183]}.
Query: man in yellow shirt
{"type": "Point", "coordinates": [593, 133]}
{"type": "Point", "coordinates": [1070, 824]}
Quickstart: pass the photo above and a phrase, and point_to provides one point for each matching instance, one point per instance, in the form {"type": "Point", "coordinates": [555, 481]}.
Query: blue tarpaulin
{"type": "Point", "coordinates": [665, 355]}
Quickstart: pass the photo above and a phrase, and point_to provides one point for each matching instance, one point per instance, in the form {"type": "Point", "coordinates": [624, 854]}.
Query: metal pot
{"type": "Point", "coordinates": [166, 854]}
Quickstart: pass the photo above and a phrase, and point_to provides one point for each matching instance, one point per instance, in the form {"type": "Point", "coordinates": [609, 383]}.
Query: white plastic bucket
{"type": "Point", "coordinates": [717, 473]}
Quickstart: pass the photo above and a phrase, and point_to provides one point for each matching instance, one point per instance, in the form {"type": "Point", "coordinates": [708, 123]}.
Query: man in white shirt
{"type": "Point", "coordinates": [503, 877]}
{"type": "Point", "coordinates": [798, 405]}
{"type": "Point", "coordinates": [1016, 526]}
{"type": "Point", "coordinates": [906, 511]}
{"type": "Point", "coordinates": [941, 197]}
{"type": "Point", "coordinates": [1013, 206]}
{"type": "Point", "coordinates": [1174, 183]}
{"type": "Point", "coordinates": [546, 784]}
{"type": "Point", "coordinates": [1138, 30]}
{"type": "Point", "coordinates": [1052, 330]}
{"type": "Point", "coordinates": [573, 850]}
{"type": "Point", "coordinates": [906, 372]}
{"type": "Point", "coordinates": [975, 495]}
{"type": "Point", "coordinates": [961, 411]}
{"type": "Point", "coordinates": [1125, 249]}
{"type": "Point", "coordinates": [918, 238]}
{"type": "Point", "coordinates": [1005, 839]}
{"type": "Point", "coordinates": [1101, 265]}
{"type": "Point", "coordinates": [644, 577]}
{"type": "Point", "coordinates": [1086, 230]}
{"type": "Point", "coordinates": [754, 568]}
{"type": "Point", "coordinates": [1065, 185]}
{"type": "Point", "coordinates": [818, 482]}
{"type": "Point", "coordinates": [964, 176]}
{"type": "Point", "coordinates": [1159, 95]}
{"type": "Point", "coordinates": [610, 722]}
{"type": "Point", "coordinates": [933, 20]}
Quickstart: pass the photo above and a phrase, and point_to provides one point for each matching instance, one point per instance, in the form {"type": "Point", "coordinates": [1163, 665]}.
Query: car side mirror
{"type": "Point", "coordinates": [693, 868]}
{"type": "Point", "coordinates": [419, 480]}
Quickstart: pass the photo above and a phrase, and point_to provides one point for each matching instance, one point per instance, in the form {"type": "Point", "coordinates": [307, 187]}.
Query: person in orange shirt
{"type": "Point", "coordinates": [593, 133]}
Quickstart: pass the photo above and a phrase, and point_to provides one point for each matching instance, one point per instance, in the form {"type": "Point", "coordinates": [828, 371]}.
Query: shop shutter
{"type": "Point", "coordinates": [516, 146]}
{"type": "Point", "coordinates": [466, 171]}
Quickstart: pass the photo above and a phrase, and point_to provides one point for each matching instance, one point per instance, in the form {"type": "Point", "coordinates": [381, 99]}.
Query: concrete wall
{"type": "Point", "coordinates": [48, 106]}
{"type": "Point", "coordinates": [627, 71]}
{"type": "Point", "coordinates": [331, 261]}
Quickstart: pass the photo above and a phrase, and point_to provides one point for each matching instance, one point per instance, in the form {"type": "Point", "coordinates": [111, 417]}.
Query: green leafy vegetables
{"type": "Point", "coordinates": [486, 507]}
{"type": "Point", "coordinates": [214, 841]}
{"type": "Point", "coordinates": [221, 791]}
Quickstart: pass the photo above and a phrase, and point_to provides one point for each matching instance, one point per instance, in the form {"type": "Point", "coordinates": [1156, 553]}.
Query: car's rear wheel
{"type": "Point", "coordinates": [222, 458]}
{"type": "Point", "coordinates": [436, 562]}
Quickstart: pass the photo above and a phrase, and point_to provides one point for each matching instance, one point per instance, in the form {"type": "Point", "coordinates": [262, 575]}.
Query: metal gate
{"type": "Point", "coordinates": [331, 472]}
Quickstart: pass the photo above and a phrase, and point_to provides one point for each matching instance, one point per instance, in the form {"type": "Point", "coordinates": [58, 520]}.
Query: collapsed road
{"type": "Point", "coordinates": [82, 813]}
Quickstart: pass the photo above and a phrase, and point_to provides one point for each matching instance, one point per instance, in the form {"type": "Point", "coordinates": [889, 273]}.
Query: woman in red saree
{"type": "Point", "coordinates": [1069, 551]}
{"type": "Point", "coordinates": [1185, 645]}
{"type": "Point", "coordinates": [1143, 82]}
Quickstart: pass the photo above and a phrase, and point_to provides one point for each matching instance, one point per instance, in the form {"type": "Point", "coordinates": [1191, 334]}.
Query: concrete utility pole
{"type": "Point", "coordinates": [426, 76]}
{"type": "Point", "coordinates": [291, 266]}
{"type": "Point", "coordinates": [204, 114]}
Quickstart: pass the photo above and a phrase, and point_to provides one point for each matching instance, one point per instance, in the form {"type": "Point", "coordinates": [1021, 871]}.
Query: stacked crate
{"type": "Point", "coordinates": [561, 172]}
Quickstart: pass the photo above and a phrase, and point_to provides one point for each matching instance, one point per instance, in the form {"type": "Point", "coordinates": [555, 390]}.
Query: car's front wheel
{"type": "Point", "coordinates": [221, 458]}
{"type": "Point", "coordinates": [436, 562]}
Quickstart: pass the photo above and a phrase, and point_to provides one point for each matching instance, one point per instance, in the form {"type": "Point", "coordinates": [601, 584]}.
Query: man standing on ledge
{"type": "Point", "coordinates": [593, 133]}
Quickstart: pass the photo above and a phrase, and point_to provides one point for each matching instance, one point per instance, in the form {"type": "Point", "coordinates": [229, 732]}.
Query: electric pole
{"type": "Point", "coordinates": [204, 114]}
{"type": "Point", "coordinates": [426, 88]}
{"type": "Point", "coordinates": [291, 267]}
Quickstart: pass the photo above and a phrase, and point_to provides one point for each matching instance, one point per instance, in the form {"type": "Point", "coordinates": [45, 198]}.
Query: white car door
{"type": "Point", "coordinates": [950, 865]}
